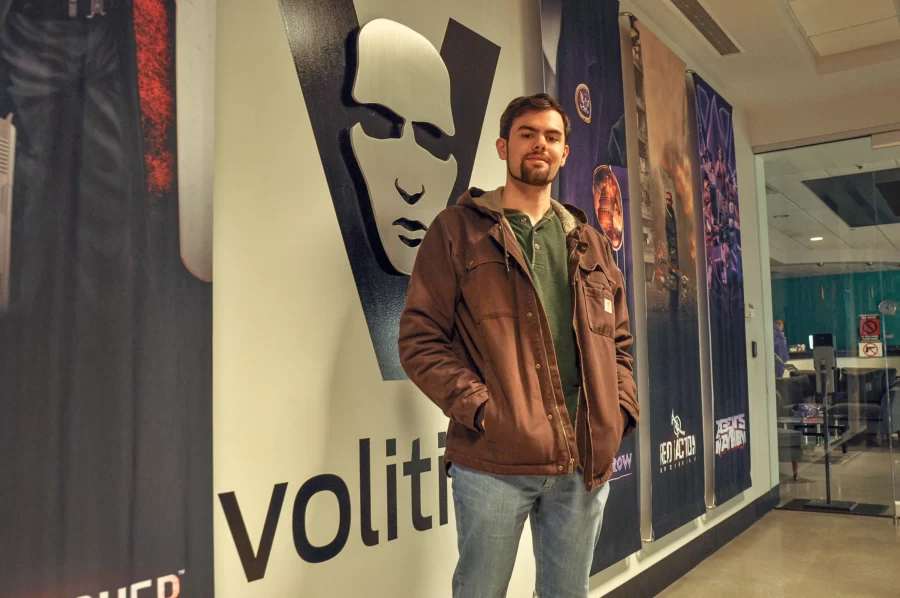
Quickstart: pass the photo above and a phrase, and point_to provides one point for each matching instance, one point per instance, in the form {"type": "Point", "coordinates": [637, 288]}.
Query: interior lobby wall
{"type": "Point", "coordinates": [860, 112]}
{"type": "Point", "coordinates": [298, 393]}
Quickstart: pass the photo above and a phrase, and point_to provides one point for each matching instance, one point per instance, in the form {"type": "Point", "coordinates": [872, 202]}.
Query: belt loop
{"type": "Point", "coordinates": [96, 9]}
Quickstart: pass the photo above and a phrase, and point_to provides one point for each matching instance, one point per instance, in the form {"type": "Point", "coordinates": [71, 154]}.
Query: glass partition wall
{"type": "Point", "coordinates": [834, 233]}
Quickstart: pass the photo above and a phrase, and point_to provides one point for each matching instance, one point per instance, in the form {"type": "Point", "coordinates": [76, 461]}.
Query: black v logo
{"type": "Point", "coordinates": [254, 564]}
{"type": "Point", "coordinates": [323, 40]}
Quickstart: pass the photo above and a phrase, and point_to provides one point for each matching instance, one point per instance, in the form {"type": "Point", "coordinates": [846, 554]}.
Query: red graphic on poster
{"type": "Point", "coordinates": [870, 350]}
{"type": "Point", "coordinates": [155, 58]}
{"type": "Point", "coordinates": [870, 327]}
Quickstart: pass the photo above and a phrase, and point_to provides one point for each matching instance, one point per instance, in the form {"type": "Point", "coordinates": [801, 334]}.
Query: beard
{"type": "Point", "coordinates": [534, 176]}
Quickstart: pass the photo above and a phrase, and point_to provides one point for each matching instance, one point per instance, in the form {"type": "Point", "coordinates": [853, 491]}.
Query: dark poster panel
{"type": "Point", "coordinates": [323, 39]}
{"type": "Point", "coordinates": [725, 276]}
{"type": "Point", "coordinates": [106, 337]}
{"type": "Point", "coordinates": [669, 252]}
{"type": "Point", "coordinates": [583, 69]}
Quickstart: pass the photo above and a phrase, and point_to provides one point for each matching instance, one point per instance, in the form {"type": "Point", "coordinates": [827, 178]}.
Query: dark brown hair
{"type": "Point", "coordinates": [533, 103]}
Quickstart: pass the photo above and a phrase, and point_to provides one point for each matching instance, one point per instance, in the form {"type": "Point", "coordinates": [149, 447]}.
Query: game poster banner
{"type": "Point", "coordinates": [725, 280]}
{"type": "Point", "coordinates": [670, 267]}
{"type": "Point", "coordinates": [105, 310]}
{"type": "Point", "coordinates": [583, 70]}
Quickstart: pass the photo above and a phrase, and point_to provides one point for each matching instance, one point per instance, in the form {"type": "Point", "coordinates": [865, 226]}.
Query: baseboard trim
{"type": "Point", "coordinates": [661, 575]}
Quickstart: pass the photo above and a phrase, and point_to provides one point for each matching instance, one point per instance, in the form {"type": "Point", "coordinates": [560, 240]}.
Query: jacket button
{"type": "Point", "coordinates": [550, 416]}
{"type": "Point", "coordinates": [537, 366]}
{"type": "Point", "coordinates": [560, 468]}
{"type": "Point", "coordinates": [528, 314]}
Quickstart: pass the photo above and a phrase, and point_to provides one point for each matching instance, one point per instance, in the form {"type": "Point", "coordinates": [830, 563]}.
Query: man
{"type": "Point", "coordinates": [674, 277]}
{"type": "Point", "coordinates": [781, 349]}
{"type": "Point", "coordinates": [671, 235]}
{"type": "Point", "coordinates": [516, 326]}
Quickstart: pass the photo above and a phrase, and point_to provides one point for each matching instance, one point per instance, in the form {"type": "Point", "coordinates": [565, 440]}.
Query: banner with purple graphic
{"type": "Point", "coordinates": [725, 280]}
{"type": "Point", "coordinates": [583, 69]}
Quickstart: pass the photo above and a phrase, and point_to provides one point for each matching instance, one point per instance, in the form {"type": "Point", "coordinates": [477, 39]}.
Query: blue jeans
{"type": "Point", "coordinates": [490, 515]}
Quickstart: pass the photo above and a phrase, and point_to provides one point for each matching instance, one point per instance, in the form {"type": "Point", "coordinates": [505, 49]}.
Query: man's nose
{"type": "Point", "coordinates": [540, 143]}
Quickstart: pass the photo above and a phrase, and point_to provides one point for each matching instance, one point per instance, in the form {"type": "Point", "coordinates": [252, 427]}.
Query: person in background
{"type": "Point", "coordinates": [781, 349]}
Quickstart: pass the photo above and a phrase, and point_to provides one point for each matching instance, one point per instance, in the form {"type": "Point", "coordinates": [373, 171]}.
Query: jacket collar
{"type": "Point", "coordinates": [491, 201]}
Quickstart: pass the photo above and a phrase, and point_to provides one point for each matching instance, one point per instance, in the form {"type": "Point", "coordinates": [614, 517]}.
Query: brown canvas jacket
{"type": "Point", "coordinates": [473, 332]}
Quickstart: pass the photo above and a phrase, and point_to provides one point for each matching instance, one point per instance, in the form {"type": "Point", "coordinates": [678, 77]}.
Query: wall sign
{"type": "Point", "coordinates": [870, 327]}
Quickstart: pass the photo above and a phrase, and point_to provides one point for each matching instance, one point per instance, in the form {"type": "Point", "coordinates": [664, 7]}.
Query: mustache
{"type": "Point", "coordinates": [410, 225]}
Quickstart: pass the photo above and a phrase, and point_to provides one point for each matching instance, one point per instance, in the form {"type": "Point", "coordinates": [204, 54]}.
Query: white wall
{"type": "Point", "coordinates": [296, 382]}
{"type": "Point", "coordinates": [859, 113]}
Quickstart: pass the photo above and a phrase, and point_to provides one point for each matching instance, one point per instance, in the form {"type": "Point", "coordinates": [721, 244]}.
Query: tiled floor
{"type": "Point", "coordinates": [791, 554]}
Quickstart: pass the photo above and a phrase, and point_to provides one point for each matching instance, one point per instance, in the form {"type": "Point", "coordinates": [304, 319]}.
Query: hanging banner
{"type": "Point", "coordinates": [105, 300]}
{"type": "Point", "coordinates": [669, 254]}
{"type": "Point", "coordinates": [583, 69]}
{"type": "Point", "coordinates": [725, 286]}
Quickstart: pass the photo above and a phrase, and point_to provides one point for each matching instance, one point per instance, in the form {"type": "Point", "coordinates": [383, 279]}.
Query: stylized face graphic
{"type": "Point", "coordinates": [408, 186]}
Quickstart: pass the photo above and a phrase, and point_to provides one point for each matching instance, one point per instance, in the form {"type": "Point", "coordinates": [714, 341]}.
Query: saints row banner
{"type": "Point", "coordinates": [583, 69]}
{"type": "Point", "coordinates": [725, 283]}
{"type": "Point", "coordinates": [670, 281]}
{"type": "Point", "coordinates": [105, 300]}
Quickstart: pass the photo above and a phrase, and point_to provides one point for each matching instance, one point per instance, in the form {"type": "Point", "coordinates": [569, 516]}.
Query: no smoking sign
{"type": "Point", "coordinates": [870, 328]}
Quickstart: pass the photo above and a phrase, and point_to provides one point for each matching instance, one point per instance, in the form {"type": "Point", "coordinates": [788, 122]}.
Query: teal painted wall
{"type": "Point", "coordinates": [800, 303]}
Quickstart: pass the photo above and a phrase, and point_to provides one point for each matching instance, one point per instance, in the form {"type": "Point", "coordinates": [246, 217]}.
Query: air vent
{"type": "Point", "coordinates": [700, 18]}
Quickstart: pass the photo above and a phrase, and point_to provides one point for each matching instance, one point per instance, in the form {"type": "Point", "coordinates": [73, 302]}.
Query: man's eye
{"type": "Point", "coordinates": [553, 139]}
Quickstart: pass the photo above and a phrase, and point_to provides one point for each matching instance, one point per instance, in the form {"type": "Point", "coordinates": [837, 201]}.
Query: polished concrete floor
{"type": "Point", "coordinates": [789, 553]}
{"type": "Point", "coordinates": [862, 475]}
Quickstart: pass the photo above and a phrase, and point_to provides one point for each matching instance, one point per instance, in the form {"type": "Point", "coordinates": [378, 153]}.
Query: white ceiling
{"type": "Point", "coordinates": [796, 214]}
{"type": "Point", "coordinates": [795, 52]}
{"type": "Point", "coordinates": [834, 27]}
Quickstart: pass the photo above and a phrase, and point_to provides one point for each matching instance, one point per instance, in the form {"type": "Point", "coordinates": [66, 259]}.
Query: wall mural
{"type": "Point", "coordinates": [397, 144]}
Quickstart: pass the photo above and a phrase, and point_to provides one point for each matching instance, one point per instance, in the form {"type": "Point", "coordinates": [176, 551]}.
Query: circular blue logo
{"type": "Point", "coordinates": [583, 102]}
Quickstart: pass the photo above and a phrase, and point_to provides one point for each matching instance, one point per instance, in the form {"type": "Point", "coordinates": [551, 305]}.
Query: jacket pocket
{"type": "Point", "coordinates": [598, 300]}
{"type": "Point", "coordinates": [487, 287]}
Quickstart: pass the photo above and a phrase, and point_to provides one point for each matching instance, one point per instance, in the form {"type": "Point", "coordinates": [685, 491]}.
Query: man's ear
{"type": "Point", "coordinates": [565, 155]}
{"type": "Point", "coordinates": [502, 148]}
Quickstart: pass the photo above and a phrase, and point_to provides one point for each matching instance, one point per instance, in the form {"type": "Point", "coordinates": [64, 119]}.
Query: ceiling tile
{"type": "Point", "coordinates": [821, 16]}
{"type": "Point", "coordinates": [830, 222]}
{"type": "Point", "coordinates": [805, 199]}
{"type": "Point", "coordinates": [799, 223]}
{"type": "Point", "coordinates": [854, 38]}
{"type": "Point", "coordinates": [854, 168]}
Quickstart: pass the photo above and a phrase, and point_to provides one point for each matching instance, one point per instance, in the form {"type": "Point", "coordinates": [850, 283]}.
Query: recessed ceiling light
{"type": "Point", "coordinates": [815, 238]}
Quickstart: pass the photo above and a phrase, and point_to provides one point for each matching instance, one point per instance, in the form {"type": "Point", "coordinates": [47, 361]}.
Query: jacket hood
{"type": "Point", "coordinates": [490, 201]}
